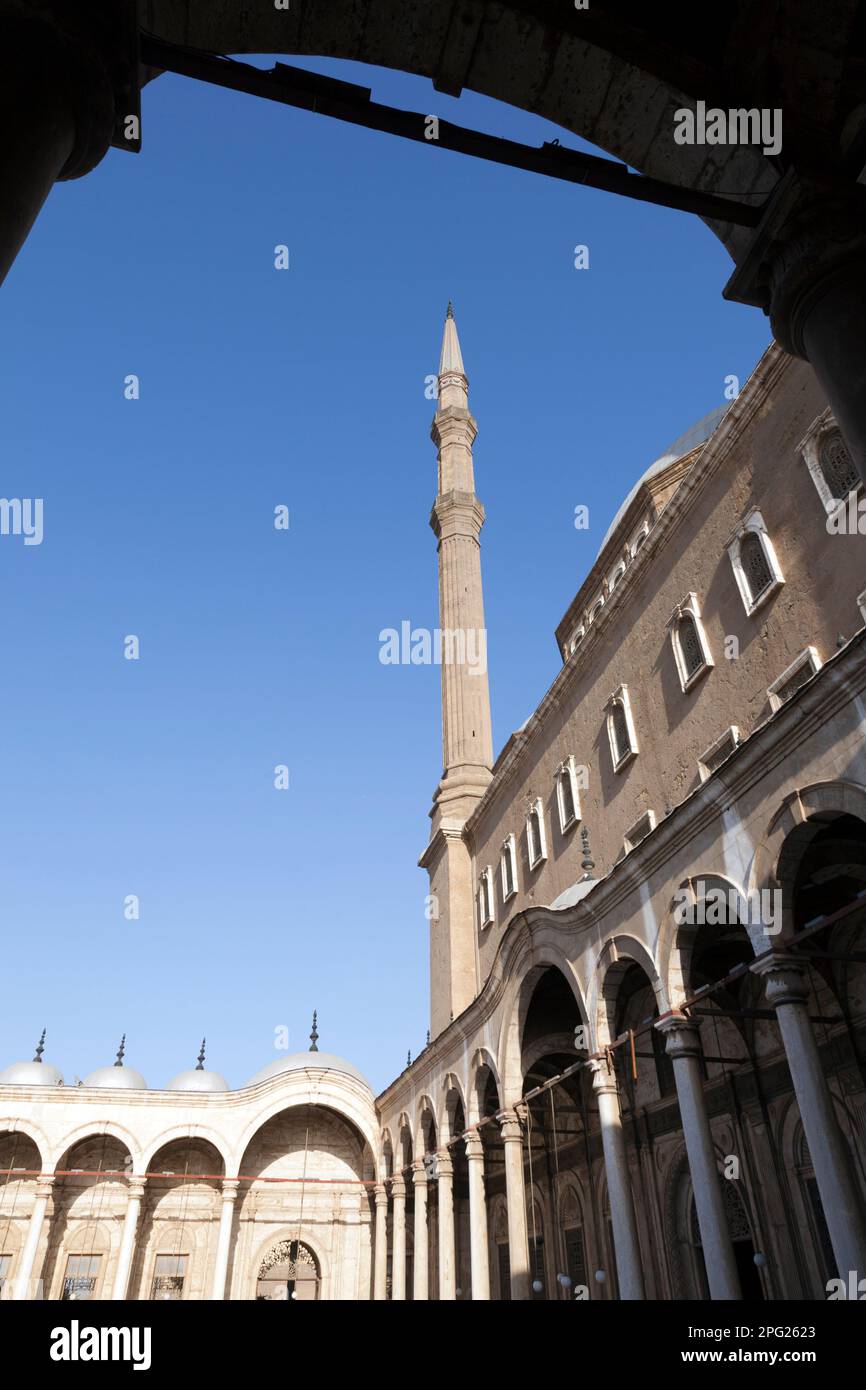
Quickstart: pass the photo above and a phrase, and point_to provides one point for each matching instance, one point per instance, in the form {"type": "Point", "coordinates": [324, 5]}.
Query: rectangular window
{"type": "Point", "coordinates": [168, 1277]}
{"type": "Point", "coordinates": [508, 862]}
{"type": "Point", "coordinates": [717, 752]}
{"type": "Point", "coordinates": [536, 842]}
{"type": "Point", "coordinates": [795, 676]}
{"type": "Point", "coordinates": [79, 1282]}
{"type": "Point", "coordinates": [639, 831]}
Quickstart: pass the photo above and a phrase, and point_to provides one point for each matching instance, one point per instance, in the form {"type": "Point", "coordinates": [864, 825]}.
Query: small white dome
{"type": "Point", "coordinates": [31, 1074]}
{"type": "Point", "coordinates": [117, 1079]}
{"type": "Point", "coordinates": [575, 894]}
{"type": "Point", "coordinates": [198, 1080]}
{"type": "Point", "coordinates": [308, 1061]}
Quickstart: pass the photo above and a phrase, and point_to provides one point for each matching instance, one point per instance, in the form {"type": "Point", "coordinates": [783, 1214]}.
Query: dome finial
{"type": "Point", "coordinates": [120, 1051]}
{"type": "Point", "coordinates": [314, 1036]}
{"type": "Point", "coordinates": [40, 1048]}
{"type": "Point", "coordinates": [587, 863]}
{"type": "Point", "coordinates": [200, 1064]}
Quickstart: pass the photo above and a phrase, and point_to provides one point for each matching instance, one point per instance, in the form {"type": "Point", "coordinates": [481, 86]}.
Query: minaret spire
{"type": "Point", "coordinates": [467, 740]}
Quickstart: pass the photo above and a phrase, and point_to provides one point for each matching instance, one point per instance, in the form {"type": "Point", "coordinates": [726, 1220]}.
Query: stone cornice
{"type": "Point", "coordinates": [713, 455]}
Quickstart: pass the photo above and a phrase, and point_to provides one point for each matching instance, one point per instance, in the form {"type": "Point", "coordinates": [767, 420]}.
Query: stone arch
{"type": "Point", "coordinates": [819, 801]}
{"type": "Point", "coordinates": [693, 897]}
{"type": "Point", "coordinates": [426, 1119]}
{"type": "Point", "coordinates": [191, 1132]}
{"type": "Point", "coordinates": [330, 1094]}
{"type": "Point", "coordinates": [387, 1154]}
{"type": "Point", "coordinates": [96, 1129]}
{"type": "Point", "coordinates": [451, 1094]}
{"type": "Point", "coordinates": [616, 957]}
{"type": "Point", "coordinates": [31, 1131]}
{"type": "Point", "coordinates": [482, 1068]}
{"type": "Point", "coordinates": [515, 1010]}
{"type": "Point", "coordinates": [281, 1247]}
{"type": "Point", "coordinates": [544, 64]}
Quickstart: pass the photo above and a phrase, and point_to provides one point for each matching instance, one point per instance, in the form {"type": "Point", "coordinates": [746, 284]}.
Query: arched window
{"type": "Point", "coordinates": [596, 609]}
{"type": "Point", "coordinates": [838, 467]}
{"type": "Point", "coordinates": [536, 843]}
{"type": "Point", "coordinates": [639, 540]}
{"type": "Point", "coordinates": [756, 566]}
{"type": "Point", "coordinates": [621, 743]}
{"type": "Point", "coordinates": [616, 577]}
{"type": "Point", "coordinates": [690, 645]}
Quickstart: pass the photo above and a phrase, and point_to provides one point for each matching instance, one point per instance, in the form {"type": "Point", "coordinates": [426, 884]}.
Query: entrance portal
{"type": "Point", "coordinates": [290, 1271]}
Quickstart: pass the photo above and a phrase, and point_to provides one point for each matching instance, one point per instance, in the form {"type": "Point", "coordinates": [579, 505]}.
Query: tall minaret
{"type": "Point", "coordinates": [467, 742]}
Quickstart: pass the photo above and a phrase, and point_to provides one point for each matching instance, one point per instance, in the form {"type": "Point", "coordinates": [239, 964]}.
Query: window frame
{"type": "Point", "coordinates": [809, 450]}
{"type": "Point", "coordinates": [621, 696]}
{"type": "Point", "coordinates": [689, 608]}
{"type": "Point", "coordinates": [808, 657]}
{"type": "Point", "coordinates": [540, 857]}
{"type": "Point", "coordinates": [508, 855]}
{"type": "Point", "coordinates": [732, 735]}
{"type": "Point", "coordinates": [567, 769]}
{"type": "Point", "coordinates": [754, 523]}
{"type": "Point", "coordinates": [485, 898]}
{"type": "Point", "coordinates": [628, 842]}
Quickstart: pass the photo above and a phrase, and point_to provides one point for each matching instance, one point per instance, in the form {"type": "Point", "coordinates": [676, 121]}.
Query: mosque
{"type": "Point", "coordinates": [645, 1076]}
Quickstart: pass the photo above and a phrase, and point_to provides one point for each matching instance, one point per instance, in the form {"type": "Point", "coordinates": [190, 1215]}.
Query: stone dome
{"type": "Point", "coordinates": [31, 1074]}
{"type": "Point", "coordinates": [117, 1078]}
{"type": "Point", "coordinates": [696, 434]}
{"type": "Point", "coordinates": [197, 1079]}
{"type": "Point", "coordinates": [308, 1061]}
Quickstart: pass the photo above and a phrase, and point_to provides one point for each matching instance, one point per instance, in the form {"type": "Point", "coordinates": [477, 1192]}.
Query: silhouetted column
{"type": "Point", "coordinates": [447, 1253]}
{"type": "Point", "coordinates": [786, 985]}
{"type": "Point", "coordinates": [625, 1239]}
{"type": "Point", "coordinates": [478, 1251]}
{"type": "Point", "coordinates": [227, 1216]}
{"type": "Point", "coordinates": [380, 1248]}
{"type": "Point", "coordinates": [56, 112]}
{"type": "Point", "coordinates": [420, 1272]}
{"type": "Point", "coordinates": [24, 1276]}
{"type": "Point", "coordinates": [806, 267]}
{"type": "Point", "coordinates": [515, 1196]}
{"type": "Point", "coordinates": [682, 1039]}
{"type": "Point", "coordinates": [135, 1193]}
{"type": "Point", "coordinates": [398, 1252]}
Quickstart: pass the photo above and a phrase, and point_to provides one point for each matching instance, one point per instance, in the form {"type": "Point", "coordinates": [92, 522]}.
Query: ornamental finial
{"type": "Point", "coordinates": [587, 863]}
{"type": "Point", "coordinates": [40, 1048]}
{"type": "Point", "coordinates": [200, 1063]}
{"type": "Point", "coordinates": [120, 1052]}
{"type": "Point", "coordinates": [450, 312]}
{"type": "Point", "coordinates": [314, 1036]}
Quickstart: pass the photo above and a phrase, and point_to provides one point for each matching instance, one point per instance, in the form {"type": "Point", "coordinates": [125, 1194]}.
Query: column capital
{"type": "Point", "coordinates": [136, 1187]}
{"type": "Point", "coordinates": [785, 978]}
{"type": "Point", "coordinates": [812, 231]}
{"type": "Point", "coordinates": [682, 1035]}
{"type": "Point", "coordinates": [398, 1186]}
{"type": "Point", "coordinates": [603, 1076]}
{"type": "Point", "coordinates": [231, 1187]}
{"type": "Point", "coordinates": [45, 1184]}
{"type": "Point", "coordinates": [419, 1174]}
{"type": "Point", "coordinates": [380, 1194]}
{"type": "Point", "coordinates": [511, 1124]}
{"type": "Point", "coordinates": [474, 1146]}
{"type": "Point", "coordinates": [445, 1164]}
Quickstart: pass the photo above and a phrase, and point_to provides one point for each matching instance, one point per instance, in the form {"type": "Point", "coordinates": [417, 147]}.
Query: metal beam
{"type": "Point", "coordinates": [344, 101]}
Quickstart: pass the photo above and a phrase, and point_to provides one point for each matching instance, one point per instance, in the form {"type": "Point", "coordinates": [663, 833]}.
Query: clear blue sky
{"type": "Point", "coordinates": [258, 647]}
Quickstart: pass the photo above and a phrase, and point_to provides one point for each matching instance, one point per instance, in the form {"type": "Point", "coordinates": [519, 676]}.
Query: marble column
{"type": "Point", "coordinates": [806, 268]}
{"type": "Point", "coordinates": [787, 990]}
{"type": "Point", "coordinates": [56, 112]}
{"type": "Point", "coordinates": [398, 1254]}
{"type": "Point", "coordinates": [625, 1239]}
{"type": "Point", "coordinates": [224, 1238]}
{"type": "Point", "coordinates": [478, 1251]}
{"type": "Point", "coordinates": [682, 1040]}
{"type": "Point", "coordinates": [24, 1276]}
{"type": "Point", "coordinates": [447, 1251]}
{"type": "Point", "coordinates": [134, 1196]}
{"type": "Point", "coordinates": [420, 1273]}
{"type": "Point", "coordinates": [515, 1196]}
{"type": "Point", "coordinates": [380, 1249]}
